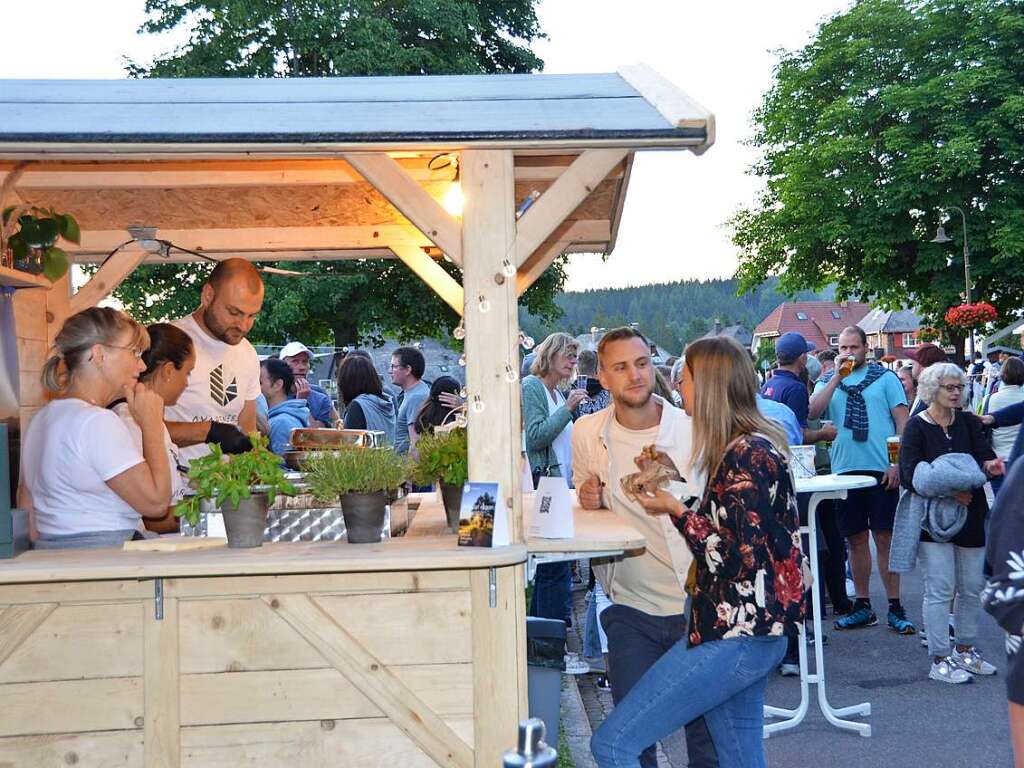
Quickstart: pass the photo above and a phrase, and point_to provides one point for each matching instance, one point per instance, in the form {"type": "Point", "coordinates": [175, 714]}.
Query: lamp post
{"type": "Point", "coordinates": [941, 237]}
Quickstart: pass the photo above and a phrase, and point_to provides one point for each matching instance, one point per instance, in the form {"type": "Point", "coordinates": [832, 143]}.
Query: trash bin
{"type": "Point", "coordinates": [545, 660]}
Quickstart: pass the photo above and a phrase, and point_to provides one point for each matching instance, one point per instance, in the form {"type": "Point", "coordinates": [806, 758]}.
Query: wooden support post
{"type": "Point", "coordinates": [405, 193]}
{"type": "Point", "coordinates": [563, 197]}
{"type": "Point", "coordinates": [492, 347]}
{"type": "Point", "coordinates": [162, 685]}
{"type": "Point", "coordinates": [58, 306]}
{"type": "Point", "coordinates": [428, 270]}
{"type": "Point", "coordinates": [107, 278]}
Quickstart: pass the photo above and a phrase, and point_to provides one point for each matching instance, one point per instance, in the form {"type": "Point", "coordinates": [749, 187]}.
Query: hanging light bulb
{"type": "Point", "coordinates": [463, 393]}
{"type": "Point", "coordinates": [460, 331]}
{"type": "Point", "coordinates": [528, 343]}
{"type": "Point", "coordinates": [508, 269]}
{"type": "Point", "coordinates": [460, 420]}
{"type": "Point", "coordinates": [478, 404]}
{"type": "Point", "coordinates": [484, 305]}
{"type": "Point", "coordinates": [462, 360]}
{"type": "Point", "coordinates": [454, 201]}
{"type": "Point", "coordinates": [511, 374]}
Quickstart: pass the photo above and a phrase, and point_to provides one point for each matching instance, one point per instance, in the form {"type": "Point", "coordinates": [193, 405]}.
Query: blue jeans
{"type": "Point", "coordinates": [636, 641]}
{"type": "Point", "coordinates": [724, 680]}
{"type": "Point", "coordinates": [552, 592]}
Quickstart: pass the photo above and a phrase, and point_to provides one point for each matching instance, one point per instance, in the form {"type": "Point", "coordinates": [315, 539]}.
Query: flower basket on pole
{"type": "Point", "coordinates": [971, 316]}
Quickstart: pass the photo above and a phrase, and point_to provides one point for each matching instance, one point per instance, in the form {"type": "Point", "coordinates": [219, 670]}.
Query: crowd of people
{"type": "Point", "coordinates": [720, 586]}
{"type": "Point", "coordinates": [694, 456]}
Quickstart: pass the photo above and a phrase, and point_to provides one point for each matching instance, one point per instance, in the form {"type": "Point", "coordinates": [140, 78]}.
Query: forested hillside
{"type": "Point", "coordinates": [671, 313]}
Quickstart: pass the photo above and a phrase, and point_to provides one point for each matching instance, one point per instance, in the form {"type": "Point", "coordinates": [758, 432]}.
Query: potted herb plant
{"type": "Point", "coordinates": [363, 479]}
{"type": "Point", "coordinates": [243, 485]}
{"type": "Point", "coordinates": [444, 459]}
{"type": "Point", "coordinates": [33, 247]}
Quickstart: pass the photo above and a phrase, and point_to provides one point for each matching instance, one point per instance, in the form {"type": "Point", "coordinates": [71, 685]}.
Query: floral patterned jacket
{"type": "Point", "coordinates": [745, 536]}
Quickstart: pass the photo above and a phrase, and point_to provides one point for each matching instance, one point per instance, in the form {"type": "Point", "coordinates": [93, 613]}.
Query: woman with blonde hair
{"type": "Point", "coordinates": [83, 478]}
{"type": "Point", "coordinates": [750, 572]}
{"type": "Point", "coordinates": [547, 422]}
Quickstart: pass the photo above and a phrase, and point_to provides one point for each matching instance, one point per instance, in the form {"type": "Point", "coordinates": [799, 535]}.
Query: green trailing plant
{"type": "Point", "coordinates": [351, 469]}
{"type": "Point", "coordinates": [225, 478]}
{"type": "Point", "coordinates": [31, 235]}
{"type": "Point", "coordinates": [444, 457]}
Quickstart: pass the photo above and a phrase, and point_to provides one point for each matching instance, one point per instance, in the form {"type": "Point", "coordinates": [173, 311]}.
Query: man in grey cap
{"type": "Point", "coordinates": [321, 408]}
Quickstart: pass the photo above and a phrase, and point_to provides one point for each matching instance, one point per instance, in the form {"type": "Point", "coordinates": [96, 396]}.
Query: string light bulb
{"type": "Point", "coordinates": [508, 269]}
{"type": "Point", "coordinates": [478, 404]}
{"type": "Point", "coordinates": [511, 374]}
{"type": "Point", "coordinates": [484, 305]}
{"type": "Point", "coordinates": [463, 393]}
{"type": "Point", "coordinates": [462, 360]}
{"type": "Point", "coordinates": [460, 331]}
{"type": "Point", "coordinates": [525, 341]}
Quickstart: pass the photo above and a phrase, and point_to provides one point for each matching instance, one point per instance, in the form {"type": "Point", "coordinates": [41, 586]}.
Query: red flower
{"type": "Point", "coordinates": [789, 582]}
{"type": "Point", "coordinates": [971, 315]}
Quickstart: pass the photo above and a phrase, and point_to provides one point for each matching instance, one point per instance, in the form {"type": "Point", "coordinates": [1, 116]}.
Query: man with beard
{"type": "Point", "coordinates": [868, 405]}
{"type": "Point", "coordinates": [219, 404]}
{"type": "Point", "coordinates": [647, 616]}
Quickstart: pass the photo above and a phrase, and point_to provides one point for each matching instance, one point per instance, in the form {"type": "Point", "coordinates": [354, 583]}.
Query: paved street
{"type": "Point", "coordinates": [915, 721]}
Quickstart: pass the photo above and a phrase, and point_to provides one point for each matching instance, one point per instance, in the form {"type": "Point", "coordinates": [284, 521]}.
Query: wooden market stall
{"type": "Point", "coordinates": [408, 653]}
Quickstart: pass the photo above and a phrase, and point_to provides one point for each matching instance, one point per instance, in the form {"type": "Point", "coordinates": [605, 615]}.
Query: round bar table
{"type": "Point", "coordinates": [820, 488]}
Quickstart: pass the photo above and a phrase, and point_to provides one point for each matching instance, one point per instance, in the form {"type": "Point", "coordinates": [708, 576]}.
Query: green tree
{"type": "Point", "coordinates": [896, 109]}
{"type": "Point", "coordinates": [341, 302]}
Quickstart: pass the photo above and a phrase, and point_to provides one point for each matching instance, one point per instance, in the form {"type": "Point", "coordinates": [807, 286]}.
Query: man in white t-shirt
{"type": "Point", "coordinates": [219, 405]}
{"type": "Point", "coordinates": [647, 616]}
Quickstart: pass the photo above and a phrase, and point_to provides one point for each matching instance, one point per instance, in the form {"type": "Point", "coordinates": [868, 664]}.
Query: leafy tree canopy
{"type": "Point", "coordinates": [345, 301]}
{"type": "Point", "coordinates": [896, 109]}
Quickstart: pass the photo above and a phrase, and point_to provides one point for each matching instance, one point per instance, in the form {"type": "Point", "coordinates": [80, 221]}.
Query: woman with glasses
{"type": "Point", "coordinates": [954, 567]}
{"type": "Point", "coordinates": [84, 479]}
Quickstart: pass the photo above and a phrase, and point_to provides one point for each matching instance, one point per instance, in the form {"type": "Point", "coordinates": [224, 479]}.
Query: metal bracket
{"type": "Point", "coordinates": [158, 599]}
{"type": "Point", "coordinates": [492, 587]}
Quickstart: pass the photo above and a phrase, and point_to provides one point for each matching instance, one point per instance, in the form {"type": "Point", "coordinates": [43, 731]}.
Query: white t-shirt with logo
{"type": "Point", "coordinates": [70, 450]}
{"type": "Point", "coordinates": [226, 376]}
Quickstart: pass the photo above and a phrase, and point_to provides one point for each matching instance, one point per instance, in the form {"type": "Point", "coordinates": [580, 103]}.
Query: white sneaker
{"type": "Point", "coordinates": [971, 661]}
{"type": "Point", "coordinates": [924, 639]}
{"type": "Point", "coordinates": [851, 591]}
{"type": "Point", "coordinates": [945, 671]}
{"type": "Point", "coordinates": [574, 665]}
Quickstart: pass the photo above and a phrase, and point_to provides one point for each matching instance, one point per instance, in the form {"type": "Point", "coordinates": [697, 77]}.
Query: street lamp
{"type": "Point", "coordinates": [941, 238]}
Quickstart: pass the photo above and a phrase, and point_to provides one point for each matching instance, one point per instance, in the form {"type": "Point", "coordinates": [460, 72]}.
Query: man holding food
{"type": "Point", "coordinates": [867, 404]}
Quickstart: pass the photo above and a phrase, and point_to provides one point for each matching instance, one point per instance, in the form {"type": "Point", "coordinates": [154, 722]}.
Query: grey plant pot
{"type": "Point", "coordinates": [364, 515]}
{"type": "Point", "coordinates": [245, 524]}
{"type": "Point", "coordinates": [451, 495]}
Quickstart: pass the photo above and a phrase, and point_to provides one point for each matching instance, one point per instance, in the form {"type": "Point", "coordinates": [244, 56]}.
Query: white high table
{"type": "Point", "coordinates": [820, 488]}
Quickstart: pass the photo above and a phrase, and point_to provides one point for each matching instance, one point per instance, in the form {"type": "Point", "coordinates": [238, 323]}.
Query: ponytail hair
{"type": "Point", "coordinates": [80, 333]}
{"type": "Point", "coordinates": [167, 344]}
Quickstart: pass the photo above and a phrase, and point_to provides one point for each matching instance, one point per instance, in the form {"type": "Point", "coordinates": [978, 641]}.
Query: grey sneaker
{"type": "Point", "coordinates": [945, 671]}
{"type": "Point", "coordinates": [574, 665]}
{"type": "Point", "coordinates": [971, 661]}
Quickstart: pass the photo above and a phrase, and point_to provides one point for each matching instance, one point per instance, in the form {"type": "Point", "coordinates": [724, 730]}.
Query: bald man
{"type": "Point", "coordinates": [219, 405]}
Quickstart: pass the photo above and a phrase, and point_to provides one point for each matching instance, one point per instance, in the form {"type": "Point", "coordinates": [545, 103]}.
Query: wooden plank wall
{"type": "Point", "coordinates": [229, 676]}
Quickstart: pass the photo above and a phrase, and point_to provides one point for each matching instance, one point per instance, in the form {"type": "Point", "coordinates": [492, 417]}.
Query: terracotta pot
{"type": "Point", "coordinates": [364, 515]}
{"type": "Point", "coordinates": [246, 523]}
{"type": "Point", "coordinates": [452, 497]}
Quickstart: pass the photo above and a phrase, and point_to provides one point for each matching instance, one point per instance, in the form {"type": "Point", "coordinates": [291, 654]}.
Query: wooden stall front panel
{"type": "Point", "coordinates": [311, 670]}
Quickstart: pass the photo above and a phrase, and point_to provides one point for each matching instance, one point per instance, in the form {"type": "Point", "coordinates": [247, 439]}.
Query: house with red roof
{"type": "Point", "coordinates": [894, 332]}
{"type": "Point", "coordinates": [819, 322]}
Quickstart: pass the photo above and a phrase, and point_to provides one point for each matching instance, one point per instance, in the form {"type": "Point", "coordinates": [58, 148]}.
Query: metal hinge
{"type": "Point", "coordinates": [492, 588]}
{"type": "Point", "coordinates": [158, 599]}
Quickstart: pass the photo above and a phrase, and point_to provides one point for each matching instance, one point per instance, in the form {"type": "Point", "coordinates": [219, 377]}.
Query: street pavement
{"type": "Point", "coordinates": [915, 721]}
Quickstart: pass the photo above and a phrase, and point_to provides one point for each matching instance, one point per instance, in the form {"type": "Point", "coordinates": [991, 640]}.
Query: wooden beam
{"type": "Point", "coordinates": [430, 272]}
{"type": "Point", "coordinates": [373, 678]}
{"type": "Point", "coordinates": [18, 622]}
{"type": "Point", "coordinates": [162, 686]}
{"type": "Point", "coordinates": [562, 198]}
{"type": "Point", "coordinates": [674, 105]}
{"type": "Point", "coordinates": [568, 234]}
{"type": "Point", "coordinates": [261, 238]}
{"type": "Point", "coordinates": [391, 180]}
{"type": "Point", "coordinates": [107, 278]}
{"type": "Point", "coordinates": [318, 254]}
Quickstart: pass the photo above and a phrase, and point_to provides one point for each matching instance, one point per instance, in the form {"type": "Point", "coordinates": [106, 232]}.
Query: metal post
{"type": "Point", "coordinates": [531, 751]}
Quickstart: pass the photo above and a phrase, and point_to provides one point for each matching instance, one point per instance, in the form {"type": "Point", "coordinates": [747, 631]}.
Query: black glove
{"type": "Point", "coordinates": [229, 437]}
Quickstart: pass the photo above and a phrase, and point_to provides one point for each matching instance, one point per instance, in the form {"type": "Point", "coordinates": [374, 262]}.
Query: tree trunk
{"type": "Point", "coordinates": [346, 331]}
{"type": "Point", "coordinates": [957, 339]}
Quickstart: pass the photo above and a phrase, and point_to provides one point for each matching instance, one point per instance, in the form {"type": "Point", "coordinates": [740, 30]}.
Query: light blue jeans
{"type": "Point", "coordinates": [595, 641]}
{"type": "Point", "coordinates": [723, 680]}
{"type": "Point", "coordinates": [90, 540]}
{"type": "Point", "coordinates": [951, 570]}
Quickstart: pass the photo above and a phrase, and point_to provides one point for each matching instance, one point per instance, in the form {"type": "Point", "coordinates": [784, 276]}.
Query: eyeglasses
{"type": "Point", "coordinates": [951, 388]}
{"type": "Point", "coordinates": [399, 365]}
{"type": "Point", "coordinates": [137, 353]}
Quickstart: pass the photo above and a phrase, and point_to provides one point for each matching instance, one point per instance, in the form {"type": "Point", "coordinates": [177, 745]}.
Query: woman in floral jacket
{"type": "Point", "coordinates": [750, 573]}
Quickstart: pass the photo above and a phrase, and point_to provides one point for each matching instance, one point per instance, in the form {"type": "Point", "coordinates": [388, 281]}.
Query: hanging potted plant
{"type": "Point", "coordinates": [242, 485]}
{"type": "Point", "coordinates": [29, 236]}
{"type": "Point", "coordinates": [971, 316]}
{"type": "Point", "coordinates": [363, 479]}
{"type": "Point", "coordinates": [444, 459]}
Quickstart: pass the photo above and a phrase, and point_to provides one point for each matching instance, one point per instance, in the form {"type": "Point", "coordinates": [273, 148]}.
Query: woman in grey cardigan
{"type": "Point", "coordinates": [547, 421]}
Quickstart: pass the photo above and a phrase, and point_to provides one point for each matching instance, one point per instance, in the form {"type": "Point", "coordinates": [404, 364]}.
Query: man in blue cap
{"type": "Point", "coordinates": [789, 387]}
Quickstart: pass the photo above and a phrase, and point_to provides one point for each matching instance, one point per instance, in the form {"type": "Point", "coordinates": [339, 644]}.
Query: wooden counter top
{"type": "Point", "coordinates": [402, 554]}
{"type": "Point", "coordinates": [598, 530]}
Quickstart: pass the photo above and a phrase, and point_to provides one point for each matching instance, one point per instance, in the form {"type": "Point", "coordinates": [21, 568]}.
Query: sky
{"type": "Point", "coordinates": [673, 226]}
